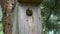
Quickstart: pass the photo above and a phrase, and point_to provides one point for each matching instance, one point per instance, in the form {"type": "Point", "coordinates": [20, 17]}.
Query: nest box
{"type": "Point", "coordinates": [27, 17]}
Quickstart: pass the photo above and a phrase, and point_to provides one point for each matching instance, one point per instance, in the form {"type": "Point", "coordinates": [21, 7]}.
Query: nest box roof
{"type": "Point", "coordinates": [30, 1]}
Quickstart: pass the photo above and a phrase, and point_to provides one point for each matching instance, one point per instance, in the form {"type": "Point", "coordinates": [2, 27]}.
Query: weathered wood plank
{"type": "Point", "coordinates": [29, 24]}
{"type": "Point", "coordinates": [15, 27]}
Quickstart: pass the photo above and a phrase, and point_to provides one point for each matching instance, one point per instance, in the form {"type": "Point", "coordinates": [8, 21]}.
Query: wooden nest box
{"type": "Point", "coordinates": [30, 1]}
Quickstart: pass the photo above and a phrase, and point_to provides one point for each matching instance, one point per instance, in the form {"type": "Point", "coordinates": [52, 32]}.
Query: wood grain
{"type": "Point", "coordinates": [29, 24]}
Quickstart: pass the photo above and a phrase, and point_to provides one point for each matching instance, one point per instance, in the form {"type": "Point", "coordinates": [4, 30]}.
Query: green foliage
{"type": "Point", "coordinates": [50, 10]}
{"type": "Point", "coordinates": [1, 24]}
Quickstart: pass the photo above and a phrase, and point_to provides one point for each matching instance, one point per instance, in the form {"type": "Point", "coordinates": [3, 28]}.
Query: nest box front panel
{"type": "Point", "coordinates": [29, 19]}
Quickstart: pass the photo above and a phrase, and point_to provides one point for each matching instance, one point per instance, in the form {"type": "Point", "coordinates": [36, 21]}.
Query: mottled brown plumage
{"type": "Point", "coordinates": [7, 6]}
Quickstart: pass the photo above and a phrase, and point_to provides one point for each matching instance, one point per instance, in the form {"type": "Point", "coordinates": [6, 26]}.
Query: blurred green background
{"type": "Point", "coordinates": [50, 14]}
{"type": "Point", "coordinates": [1, 24]}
